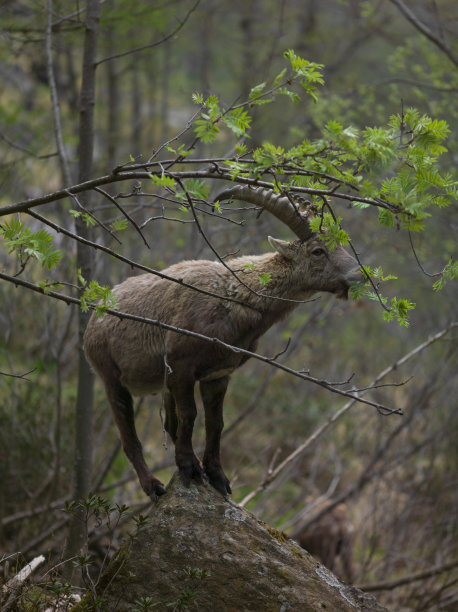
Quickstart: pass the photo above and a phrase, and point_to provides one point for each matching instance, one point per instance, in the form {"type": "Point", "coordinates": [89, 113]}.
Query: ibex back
{"type": "Point", "coordinates": [139, 358]}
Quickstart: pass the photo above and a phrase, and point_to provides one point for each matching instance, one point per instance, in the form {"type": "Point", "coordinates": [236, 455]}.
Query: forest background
{"type": "Point", "coordinates": [151, 67]}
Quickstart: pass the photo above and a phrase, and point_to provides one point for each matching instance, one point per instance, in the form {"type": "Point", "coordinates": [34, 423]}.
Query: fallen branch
{"type": "Point", "coordinates": [13, 587]}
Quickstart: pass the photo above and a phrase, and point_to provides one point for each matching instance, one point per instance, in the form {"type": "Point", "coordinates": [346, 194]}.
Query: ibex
{"type": "Point", "coordinates": [139, 358]}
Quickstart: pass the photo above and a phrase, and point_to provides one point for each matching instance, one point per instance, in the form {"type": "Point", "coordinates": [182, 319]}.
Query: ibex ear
{"type": "Point", "coordinates": [283, 247]}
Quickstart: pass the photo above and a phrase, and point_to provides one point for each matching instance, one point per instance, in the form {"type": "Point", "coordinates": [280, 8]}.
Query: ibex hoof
{"type": "Point", "coordinates": [156, 492]}
{"type": "Point", "coordinates": [220, 483]}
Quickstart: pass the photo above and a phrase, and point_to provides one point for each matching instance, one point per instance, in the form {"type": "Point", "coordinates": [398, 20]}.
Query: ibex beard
{"type": "Point", "coordinates": [134, 358]}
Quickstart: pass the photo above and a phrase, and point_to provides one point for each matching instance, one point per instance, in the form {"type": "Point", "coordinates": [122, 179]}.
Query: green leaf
{"type": "Point", "coordinates": [399, 309]}
{"type": "Point", "coordinates": [119, 224]}
{"type": "Point", "coordinates": [100, 297]}
{"type": "Point", "coordinates": [163, 180]}
{"type": "Point", "coordinates": [256, 91]}
{"type": "Point", "coordinates": [330, 231]}
{"type": "Point", "coordinates": [197, 98]}
{"type": "Point", "coordinates": [238, 121]}
{"type": "Point", "coordinates": [292, 95]}
{"type": "Point", "coordinates": [197, 189]}
{"type": "Point", "coordinates": [206, 130]}
{"type": "Point", "coordinates": [241, 148]}
{"type": "Point", "coordinates": [450, 272]}
{"type": "Point", "coordinates": [279, 78]}
{"type": "Point", "coordinates": [26, 243]}
{"type": "Point", "coordinates": [386, 217]}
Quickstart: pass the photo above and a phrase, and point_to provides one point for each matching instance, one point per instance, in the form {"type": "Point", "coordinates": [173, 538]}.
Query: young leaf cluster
{"type": "Point", "coordinates": [237, 119]}
{"type": "Point", "coordinates": [22, 240]}
{"type": "Point", "coordinates": [450, 272]}
{"type": "Point", "coordinates": [100, 297]}
{"type": "Point", "coordinates": [329, 230]}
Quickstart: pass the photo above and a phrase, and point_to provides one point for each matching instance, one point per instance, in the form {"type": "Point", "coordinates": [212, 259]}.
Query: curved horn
{"type": "Point", "coordinates": [279, 206]}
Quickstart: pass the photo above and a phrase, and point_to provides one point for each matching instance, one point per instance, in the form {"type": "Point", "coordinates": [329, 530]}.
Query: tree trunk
{"type": "Point", "coordinates": [84, 402]}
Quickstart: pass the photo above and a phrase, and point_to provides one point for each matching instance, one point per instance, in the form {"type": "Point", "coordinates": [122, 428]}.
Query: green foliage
{"type": "Point", "coordinates": [86, 217]}
{"type": "Point", "coordinates": [268, 156]}
{"type": "Point", "coordinates": [237, 120]}
{"type": "Point", "coordinates": [450, 272]}
{"type": "Point", "coordinates": [139, 521]}
{"type": "Point", "coordinates": [307, 73]}
{"type": "Point", "coordinates": [97, 296]}
{"type": "Point", "coordinates": [119, 224]}
{"type": "Point", "coordinates": [144, 604]}
{"type": "Point", "coordinates": [25, 243]}
{"type": "Point", "coordinates": [197, 189]}
{"type": "Point", "coordinates": [163, 181]}
{"type": "Point", "coordinates": [399, 308]}
{"type": "Point", "coordinates": [396, 308]}
{"type": "Point", "coordinates": [257, 93]}
{"type": "Point", "coordinates": [329, 230]}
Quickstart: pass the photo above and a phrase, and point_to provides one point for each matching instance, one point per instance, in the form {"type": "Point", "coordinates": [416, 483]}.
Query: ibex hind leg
{"type": "Point", "coordinates": [122, 406]}
{"type": "Point", "coordinates": [180, 423]}
{"type": "Point", "coordinates": [213, 393]}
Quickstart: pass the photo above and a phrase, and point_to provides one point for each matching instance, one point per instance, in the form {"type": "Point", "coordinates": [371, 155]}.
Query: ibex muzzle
{"type": "Point", "coordinates": [139, 358]}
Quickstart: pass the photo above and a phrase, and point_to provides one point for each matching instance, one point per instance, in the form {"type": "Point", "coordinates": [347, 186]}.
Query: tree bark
{"type": "Point", "coordinates": [85, 261]}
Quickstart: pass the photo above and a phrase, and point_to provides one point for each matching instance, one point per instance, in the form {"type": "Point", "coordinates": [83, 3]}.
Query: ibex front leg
{"type": "Point", "coordinates": [213, 392]}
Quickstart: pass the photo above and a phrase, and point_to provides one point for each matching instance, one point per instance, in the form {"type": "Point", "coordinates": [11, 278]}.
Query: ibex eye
{"type": "Point", "coordinates": [317, 252]}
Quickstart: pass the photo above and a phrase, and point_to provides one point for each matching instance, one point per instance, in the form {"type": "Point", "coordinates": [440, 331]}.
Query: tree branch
{"type": "Point", "coordinates": [210, 173]}
{"type": "Point", "coordinates": [155, 44]}
{"type": "Point", "coordinates": [389, 585]}
{"type": "Point", "coordinates": [423, 28]}
{"type": "Point", "coordinates": [165, 326]}
{"type": "Point", "coordinates": [337, 415]}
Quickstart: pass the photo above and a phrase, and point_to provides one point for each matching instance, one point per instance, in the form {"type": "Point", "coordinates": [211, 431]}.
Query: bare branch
{"type": "Point", "coordinates": [123, 212]}
{"type": "Point", "coordinates": [423, 28]}
{"type": "Point", "coordinates": [209, 173]}
{"type": "Point", "coordinates": [418, 260]}
{"type": "Point", "coordinates": [15, 145]}
{"type": "Point", "coordinates": [155, 44]}
{"type": "Point", "coordinates": [337, 415]}
{"type": "Point", "coordinates": [21, 376]}
{"type": "Point", "coordinates": [389, 585]}
{"type": "Point", "coordinates": [128, 261]}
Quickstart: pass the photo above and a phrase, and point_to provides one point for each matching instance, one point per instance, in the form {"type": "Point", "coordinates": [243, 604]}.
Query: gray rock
{"type": "Point", "coordinates": [200, 551]}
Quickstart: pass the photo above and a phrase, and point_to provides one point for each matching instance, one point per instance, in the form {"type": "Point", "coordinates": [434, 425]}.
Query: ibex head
{"type": "Point", "coordinates": [321, 268]}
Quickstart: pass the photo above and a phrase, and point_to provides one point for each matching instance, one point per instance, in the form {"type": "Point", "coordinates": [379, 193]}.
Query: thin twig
{"type": "Point", "coordinates": [155, 44]}
{"type": "Point", "coordinates": [21, 376]}
{"type": "Point", "coordinates": [337, 415]}
{"type": "Point", "coordinates": [418, 260]}
{"type": "Point", "coordinates": [128, 261]}
{"type": "Point", "coordinates": [123, 212]}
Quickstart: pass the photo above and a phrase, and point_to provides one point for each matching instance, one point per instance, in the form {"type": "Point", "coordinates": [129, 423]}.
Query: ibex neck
{"type": "Point", "coordinates": [266, 282]}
